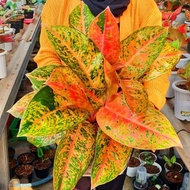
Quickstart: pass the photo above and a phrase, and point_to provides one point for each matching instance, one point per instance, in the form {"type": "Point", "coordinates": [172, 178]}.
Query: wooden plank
{"type": "Point", "coordinates": [182, 128]}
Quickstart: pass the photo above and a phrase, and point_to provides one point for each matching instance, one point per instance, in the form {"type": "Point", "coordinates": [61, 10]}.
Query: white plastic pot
{"type": "Point", "coordinates": [183, 61]}
{"type": "Point", "coordinates": [173, 77]}
{"type": "Point", "coordinates": [3, 67]}
{"type": "Point", "coordinates": [181, 101]}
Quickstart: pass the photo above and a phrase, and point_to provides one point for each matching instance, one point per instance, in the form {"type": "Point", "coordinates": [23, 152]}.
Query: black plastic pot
{"type": "Point", "coordinates": [25, 172]}
{"type": "Point", "coordinates": [42, 167]}
{"type": "Point", "coordinates": [15, 24]}
{"type": "Point", "coordinates": [28, 14]}
{"type": "Point", "coordinates": [172, 181]}
{"type": "Point", "coordinates": [26, 158]}
{"type": "Point", "coordinates": [11, 152]}
{"type": "Point", "coordinates": [12, 166]}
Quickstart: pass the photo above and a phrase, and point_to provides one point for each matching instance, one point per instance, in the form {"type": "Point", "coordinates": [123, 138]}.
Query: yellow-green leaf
{"type": "Point", "coordinates": [80, 54]}
{"type": "Point", "coordinates": [139, 50]}
{"type": "Point", "coordinates": [40, 141]}
{"type": "Point", "coordinates": [17, 110]}
{"type": "Point", "coordinates": [166, 60]}
{"type": "Point", "coordinates": [73, 156]}
{"type": "Point", "coordinates": [46, 120]}
{"type": "Point", "coordinates": [81, 17]}
{"type": "Point", "coordinates": [39, 76]}
{"type": "Point", "coordinates": [109, 161]}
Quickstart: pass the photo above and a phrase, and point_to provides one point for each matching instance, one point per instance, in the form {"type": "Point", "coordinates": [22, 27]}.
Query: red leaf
{"type": "Point", "coordinates": [104, 32]}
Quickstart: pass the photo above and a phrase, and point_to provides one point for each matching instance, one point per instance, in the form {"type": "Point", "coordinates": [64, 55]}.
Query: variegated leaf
{"type": "Point", "coordinates": [112, 79]}
{"type": "Point", "coordinates": [39, 76]}
{"type": "Point", "coordinates": [104, 32]}
{"type": "Point", "coordinates": [167, 59]}
{"type": "Point", "coordinates": [109, 161]}
{"type": "Point", "coordinates": [81, 17]}
{"type": "Point", "coordinates": [140, 131]}
{"type": "Point", "coordinates": [20, 106]}
{"type": "Point", "coordinates": [66, 84]}
{"type": "Point", "coordinates": [46, 120]}
{"type": "Point", "coordinates": [73, 156]}
{"type": "Point", "coordinates": [139, 50]}
{"type": "Point", "coordinates": [40, 141]}
{"type": "Point", "coordinates": [80, 54]}
{"type": "Point", "coordinates": [135, 95]}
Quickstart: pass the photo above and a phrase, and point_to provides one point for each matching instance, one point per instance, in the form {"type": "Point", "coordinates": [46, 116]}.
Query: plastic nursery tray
{"type": "Point", "coordinates": [22, 147]}
{"type": "Point", "coordinates": [28, 20]}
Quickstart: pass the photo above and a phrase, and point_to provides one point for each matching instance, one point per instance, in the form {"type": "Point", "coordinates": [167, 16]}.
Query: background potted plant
{"type": "Point", "coordinates": [174, 179]}
{"type": "Point", "coordinates": [132, 165]}
{"type": "Point", "coordinates": [140, 182]}
{"type": "Point", "coordinates": [182, 94]}
{"type": "Point", "coordinates": [90, 98]}
{"type": "Point", "coordinates": [171, 164]}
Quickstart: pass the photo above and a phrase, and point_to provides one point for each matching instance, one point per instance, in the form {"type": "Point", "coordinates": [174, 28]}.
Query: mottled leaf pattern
{"type": "Point", "coordinates": [39, 76]}
{"type": "Point", "coordinates": [135, 95]}
{"type": "Point", "coordinates": [40, 141]}
{"type": "Point", "coordinates": [46, 120]}
{"type": "Point", "coordinates": [70, 87]}
{"type": "Point", "coordinates": [111, 78]}
{"type": "Point", "coordinates": [143, 131]}
{"type": "Point", "coordinates": [80, 54]}
{"type": "Point", "coordinates": [139, 50]}
{"type": "Point", "coordinates": [167, 59]}
{"type": "Point", "coordinates": [104, 32]}
{"type": "Point", "coordinates": [110, 158]}
{"type": "Point", "coordinates": [80, 18]}
{"type": "Point", "coordinates": [73, 156]}
{"type": "Point", "coordinates": [98, 83]}
{"type": "Point", "coordinates": [20, 106]}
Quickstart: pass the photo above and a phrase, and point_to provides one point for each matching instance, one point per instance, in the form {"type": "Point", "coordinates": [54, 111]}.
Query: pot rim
{"type": "Point", "coordinates": [174, 86]}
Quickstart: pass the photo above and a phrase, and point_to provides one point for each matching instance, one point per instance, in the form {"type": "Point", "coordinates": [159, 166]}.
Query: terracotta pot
{"type": "Point", "coordinates": [26, 158]}
{"type": "Point", "coordinates": [42, 167]}
{"type": "Point", "coordinates": [24, 171]}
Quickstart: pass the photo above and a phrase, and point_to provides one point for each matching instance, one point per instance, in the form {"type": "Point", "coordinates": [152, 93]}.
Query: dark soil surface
{"type": "Point", "coordinates": [151, 169]}
{"type": "Point", "coordinates": [133, 162]}
{"type": "Point", "coordinates": [174, 167]}
{"type": "Point", "coordinates": [174, 177]}
{"type": "Point", "coordinates": [41, 164]}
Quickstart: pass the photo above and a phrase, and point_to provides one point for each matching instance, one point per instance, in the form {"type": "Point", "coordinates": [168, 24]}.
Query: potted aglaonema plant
{"type": "Point", "coordinates": [182, 94]}
{"type": "Point", "coordinates": [96, 107]}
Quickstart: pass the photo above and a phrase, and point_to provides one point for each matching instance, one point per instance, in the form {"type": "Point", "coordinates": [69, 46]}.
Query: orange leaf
{"type": "Point", "coordinates": [104, 32]}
